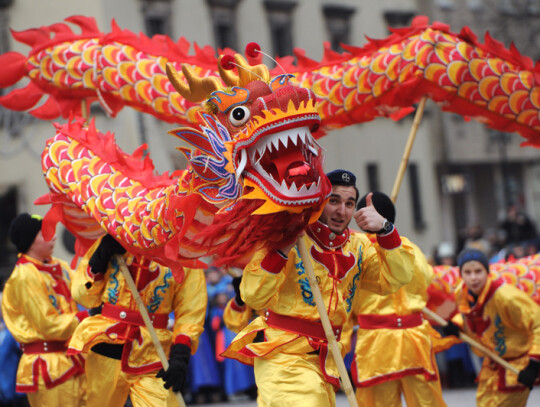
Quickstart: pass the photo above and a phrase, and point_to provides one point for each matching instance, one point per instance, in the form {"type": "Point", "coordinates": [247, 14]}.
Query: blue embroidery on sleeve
{"type": "Point", "coordinates": [156, 298]}
{"type": "Point", "coordinates": [54, 303]}
{"type": "Point", "coordinates": [359, 264]}
{"type": "Point", "coordinates": [499, 337]}
{"type": "Point", "coordinates": [351, 291]}
{"type": "Point", "coordinates": [307, 295]}
{"type": "Point", "coordinates": [112, 291]}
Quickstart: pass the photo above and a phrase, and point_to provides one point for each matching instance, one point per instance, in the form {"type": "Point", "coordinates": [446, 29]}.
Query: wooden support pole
{"type": "Point", "coordinates": [146, 318]}
{"type": "Point", "coordinates": [408, 148]}
{"type": "Point", "coordinates": [84, 110]}
{"type": "Point", "coordinates": [327, 326]}
{"type": "Point", "coordinates": [466, 338]}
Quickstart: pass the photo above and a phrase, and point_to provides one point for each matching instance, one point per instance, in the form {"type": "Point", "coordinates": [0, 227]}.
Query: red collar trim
{"type": "Point", "coordinates": [325, 238]}
{"type": "Point", "coordinates": [488, 291]}
{"type": "Point", "coordinates": [54, 269]}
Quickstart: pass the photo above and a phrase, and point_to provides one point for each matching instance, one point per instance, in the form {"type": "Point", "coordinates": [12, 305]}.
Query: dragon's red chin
{"type": "Point", "coordinates": [234, 233]}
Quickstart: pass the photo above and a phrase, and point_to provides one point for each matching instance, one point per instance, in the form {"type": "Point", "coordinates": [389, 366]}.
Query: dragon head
{"type": "Point", "coordinates": [257, 140]}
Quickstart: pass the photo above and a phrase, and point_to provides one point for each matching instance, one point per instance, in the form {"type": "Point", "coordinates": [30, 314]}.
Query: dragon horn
{"type": "Point", "coordinates": [228, 76]}
{"type": "Point", "coordinates": [246, 72]}
{"type": "Point", "coordinates": [197, 89]}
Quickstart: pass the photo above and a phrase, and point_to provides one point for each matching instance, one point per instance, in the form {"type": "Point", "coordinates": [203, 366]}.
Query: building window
{"type": "Point", "coordinates": [281, 23]}
{"type": "Point", "coordinates": [4, 29]}
{"type": "Point", "coordinates": [157, 17]}
{"type": "Point", "coordinates": [445, 5]}
{"type": "Point", "coordinates": [223, 13]}
{"type": "Point", "coordinates": [338, 24]}
{"type": "Point", "coordinates": [373, 177]}
{"type": "Point", "coordinates": [396, 19]}
{"type": "Point", "coordinates": [418, 213]}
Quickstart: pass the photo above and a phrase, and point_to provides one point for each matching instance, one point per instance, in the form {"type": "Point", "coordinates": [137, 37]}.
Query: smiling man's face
{"type": "Point", "coordinates": [340, 208]}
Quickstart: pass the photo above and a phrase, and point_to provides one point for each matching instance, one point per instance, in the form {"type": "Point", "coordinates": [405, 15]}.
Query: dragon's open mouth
{"type": "Point", "coordinates": [287, 163]}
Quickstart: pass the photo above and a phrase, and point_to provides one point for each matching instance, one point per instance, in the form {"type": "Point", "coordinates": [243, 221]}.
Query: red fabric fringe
{"type": "Point", "coordinates": [246, 233]}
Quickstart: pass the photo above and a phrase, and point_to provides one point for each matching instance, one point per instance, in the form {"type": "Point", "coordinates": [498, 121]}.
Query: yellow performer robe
{"type": "Point", "coordinates": [237, 317]}
{"type": "Point", "coordinates": [40, 313]}
{"type": "Point", "coordinates": [161, 294]}
{"type": "Point", "coordinates": [395, 321]}
{"type": "Point", "coordinates": [506, 321]}
{"type": "Point", "coordinates": [342, 264]}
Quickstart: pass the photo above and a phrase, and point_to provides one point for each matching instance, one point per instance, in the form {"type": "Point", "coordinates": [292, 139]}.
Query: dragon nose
{"type": "Point", "coordinates": [280, 99]}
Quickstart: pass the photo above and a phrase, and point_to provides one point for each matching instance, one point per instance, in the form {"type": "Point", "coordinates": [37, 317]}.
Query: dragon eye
{"type": "Point", "coordinates": [239, 116]}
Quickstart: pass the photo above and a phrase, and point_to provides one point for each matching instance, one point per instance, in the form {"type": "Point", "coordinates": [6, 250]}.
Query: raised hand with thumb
{"type": "Point", "coordinates": [367, 218]}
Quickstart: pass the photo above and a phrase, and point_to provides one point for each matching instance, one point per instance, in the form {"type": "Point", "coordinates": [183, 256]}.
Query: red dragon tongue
{"type": "Point", "coordinates": [292, 168]}
{"type": "Point", "coordinates": [300, 173]}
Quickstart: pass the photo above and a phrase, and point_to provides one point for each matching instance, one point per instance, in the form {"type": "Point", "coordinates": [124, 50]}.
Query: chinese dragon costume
{"type": "Point", "coordinates": [255, 169]}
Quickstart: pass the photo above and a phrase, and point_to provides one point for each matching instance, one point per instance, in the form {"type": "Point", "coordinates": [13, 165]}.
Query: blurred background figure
{"type": "Point", "coordinates": [473, 238]}
{"type": "Point", "coordinates": [445, 254]}
{"type": "Point", "coordinates": [517, 226]}
{"type": "Point", "coordinates": [9, 360]}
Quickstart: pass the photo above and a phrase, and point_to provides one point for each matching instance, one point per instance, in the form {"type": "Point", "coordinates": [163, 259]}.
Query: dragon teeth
{"type": "Point", "coordinates": [272, 142]}
{"type": "Point", "coordinates": [300, 137]}
{"type": "Point", "coordinates": [242, 164]}
{"type": "Point", "coordinates": [313, 150]}
{"type": "Point", "coordinates": [293, 187]}
{"type": "Point", "coordinates": [314, 187]}
{"type": "Point", "coordinates": [275, 142]}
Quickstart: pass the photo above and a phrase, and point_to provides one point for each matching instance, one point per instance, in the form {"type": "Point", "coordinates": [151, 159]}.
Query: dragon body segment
{"type": "Point", "coordinates": [117, 69]}
{"type": "Point", "coordinates": [94, 186]}
{"type": "Point", "coordinates": [485, 81]}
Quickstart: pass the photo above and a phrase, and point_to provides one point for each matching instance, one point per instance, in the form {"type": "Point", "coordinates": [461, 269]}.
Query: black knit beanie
{"type": "Point", "coordinates": [472, 254]}
{"type": "Point", "coordinates": [382, 203]}
{"type": "Point", "coordinates": [23, 231]}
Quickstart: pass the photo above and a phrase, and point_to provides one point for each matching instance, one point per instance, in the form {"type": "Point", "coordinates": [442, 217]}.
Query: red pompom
{"type": "Point", "coordinates": [253, 49]}
{"type": "Point", "coordinates": [227, 62]}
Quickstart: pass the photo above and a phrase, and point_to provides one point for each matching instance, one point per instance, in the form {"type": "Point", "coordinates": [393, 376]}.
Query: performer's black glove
{"type": "Point", "coordinates": [528, 376]}
{"type": "Point", "coordinates": [236, 285]}
{"type": "Point", "coordinates": [176, 374]}
{"type": "Point", "coordinates": [95, 310]}
{"type": "Point", "coordinates": [106, 249]}
{"type": "Point", "coordinates": [450, 329]}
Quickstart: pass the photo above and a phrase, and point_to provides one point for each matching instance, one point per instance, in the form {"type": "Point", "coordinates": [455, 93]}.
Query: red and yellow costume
{"type": "Point", "coordinates": [395, 322]}
{"type": "Point", "coordinates": [237, 317]}
{"type": "Point", "coordinates": [287, 346]}
{"type": "Point", "coordinates": [506, 321]}
{"type": "Point", "coordinates": [41, 315]}
{"type": "Point", "coordinates": [111, 380]}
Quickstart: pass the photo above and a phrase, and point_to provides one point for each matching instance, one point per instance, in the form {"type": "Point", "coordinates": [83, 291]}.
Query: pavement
{"type": "Point", "coordinates": [453, 397]}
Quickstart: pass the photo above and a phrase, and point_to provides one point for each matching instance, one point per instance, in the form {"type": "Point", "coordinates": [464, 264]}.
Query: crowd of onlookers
{"type": "Point", "coordinates": [514, 238]}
